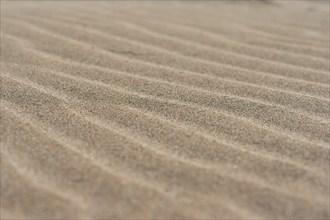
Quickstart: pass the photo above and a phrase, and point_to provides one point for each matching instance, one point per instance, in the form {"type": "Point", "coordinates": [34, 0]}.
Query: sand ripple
{"type": "Point", "coordinates": [165, 110]}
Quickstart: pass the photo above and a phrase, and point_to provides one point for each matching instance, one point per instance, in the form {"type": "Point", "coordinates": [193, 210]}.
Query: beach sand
{"type": "Point", "coordinates": [146, 110]}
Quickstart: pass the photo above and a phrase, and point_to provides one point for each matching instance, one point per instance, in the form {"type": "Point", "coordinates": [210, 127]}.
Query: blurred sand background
{"type": "Point", "coordinates": [194, 110]}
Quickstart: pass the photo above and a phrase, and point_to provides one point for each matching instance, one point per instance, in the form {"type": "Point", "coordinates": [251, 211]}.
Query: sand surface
{"type": "Point", "coordinates": [194, 110]}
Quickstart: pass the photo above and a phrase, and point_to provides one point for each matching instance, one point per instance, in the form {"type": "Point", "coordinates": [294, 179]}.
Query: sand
{"type": "Point", "coordinates": [190, 110]}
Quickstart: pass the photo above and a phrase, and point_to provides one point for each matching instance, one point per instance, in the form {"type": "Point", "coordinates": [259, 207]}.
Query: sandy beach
{"type": "Point", "coordinates": [165, 110]}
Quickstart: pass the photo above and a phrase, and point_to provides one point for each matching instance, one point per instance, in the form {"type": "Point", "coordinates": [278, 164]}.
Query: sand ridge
{"type": "Point", "coordinates": [190, 110]}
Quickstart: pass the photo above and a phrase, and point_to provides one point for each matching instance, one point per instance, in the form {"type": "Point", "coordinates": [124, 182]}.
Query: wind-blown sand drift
{"type": "Point", "coordinates": [165, 110]}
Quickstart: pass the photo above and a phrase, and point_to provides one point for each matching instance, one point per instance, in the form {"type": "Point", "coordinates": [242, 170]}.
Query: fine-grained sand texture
{"type": "Point", "coordinates": [150, 110]}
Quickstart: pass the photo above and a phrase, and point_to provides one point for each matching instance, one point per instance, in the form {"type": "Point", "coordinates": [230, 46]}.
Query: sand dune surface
{"type": "Point", "coordinates": [165, 110]}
